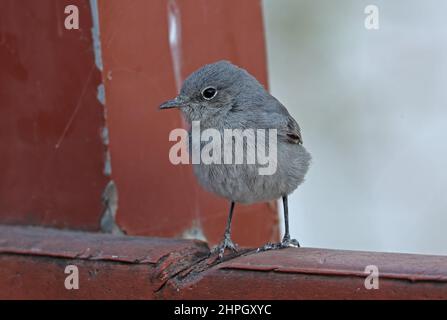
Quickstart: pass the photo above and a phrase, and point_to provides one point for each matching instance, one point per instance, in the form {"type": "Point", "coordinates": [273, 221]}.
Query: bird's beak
{"type": "Point", "coordinates": [178, 102]}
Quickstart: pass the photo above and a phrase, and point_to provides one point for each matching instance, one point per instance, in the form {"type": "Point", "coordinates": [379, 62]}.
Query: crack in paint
{"type": "Point", "coordinates": [170, 265]}
{"type": "Point", "coordinates": [75, 111]}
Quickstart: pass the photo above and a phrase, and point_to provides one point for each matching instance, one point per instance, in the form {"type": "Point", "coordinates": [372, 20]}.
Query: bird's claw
{"type": "Point", "coordinates": [226, 243]}
{"type": "Point", "coordinates": [289, 243]}
{"type": "Point", "coordinates": [268, 246]}
{"type": "Point", "coordinates": [285, 243]}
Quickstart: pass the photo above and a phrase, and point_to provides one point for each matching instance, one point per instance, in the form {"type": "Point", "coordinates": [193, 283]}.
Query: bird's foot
{"type": "Point", "coordinates": [285, 243]}
{"type": "Point", "coordinates": [289, 243]}
{"type": "Point", "coordinates": [225, 243]}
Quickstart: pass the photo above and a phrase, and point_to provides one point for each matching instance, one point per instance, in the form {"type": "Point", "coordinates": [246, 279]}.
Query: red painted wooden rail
{"type": "Point", "coordinates": [33, 260]}
{"type": "Point", "coordinates": [67, 120]}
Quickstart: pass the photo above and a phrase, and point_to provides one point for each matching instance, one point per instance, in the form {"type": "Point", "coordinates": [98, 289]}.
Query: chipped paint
{"type": "Point", "coordinates": [101, 94]}
{"type": "Point", "coordinates": [96, 34]}
{"type": "Point", "coordinates": [110, 194]}
{"type": "Point", "coordinates": [105, 136]}
{"type": "Point", "coordinates": [110, 202]}
{"type": "Point", "coordinates": [107, 164]}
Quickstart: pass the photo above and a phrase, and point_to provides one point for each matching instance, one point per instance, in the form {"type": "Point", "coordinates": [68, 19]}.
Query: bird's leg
{"type": "Point", "coordinates": [226, 242]}
{"type": "Point", "coordinates": [286, 241]}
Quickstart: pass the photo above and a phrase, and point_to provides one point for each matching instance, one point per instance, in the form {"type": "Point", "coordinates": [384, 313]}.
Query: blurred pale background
{"type": "Point", "coordinates": [372, 107]}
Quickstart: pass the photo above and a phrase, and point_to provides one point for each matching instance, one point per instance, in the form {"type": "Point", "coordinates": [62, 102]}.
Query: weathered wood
{"type": "Point", "coordinates": [33, 260]}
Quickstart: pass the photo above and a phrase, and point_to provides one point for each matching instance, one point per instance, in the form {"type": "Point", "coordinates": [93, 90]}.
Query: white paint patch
{"type": "Point", "coordinates": [101, 94]}
{"type": "Point", "coordinates": [105, 136]}
{"type": "Point", "coordinates": [194, 232]}
{"type": "Point", "coordinates": [107, 164]}
{"type": "Point", "coordinates": [175, 41]}
{"type": "Point", "coordinates": [96, 34]}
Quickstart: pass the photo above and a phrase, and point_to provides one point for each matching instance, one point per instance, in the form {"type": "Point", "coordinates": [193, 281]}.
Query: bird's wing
{"type": "Point", "coordinates": [272, 114]}
{"type": "Point", "coordinates": [291, 131]}
{"type": "Point", "coordinates": [288, 128]}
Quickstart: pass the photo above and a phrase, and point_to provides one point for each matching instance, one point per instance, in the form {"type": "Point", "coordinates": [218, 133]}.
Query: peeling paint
{"type": "Point", "coordinates": [101, 95]}
{"type": "Point", "coordinates": [110, 202]}
{"type": "Point", "coordinates": [107, 164]}
{"type": "Point", "coordinates": [96, 34]}
{"type": "Point", "coordinates": [105, 136]}
{"type": "Point", "coordinates": [110, 194]}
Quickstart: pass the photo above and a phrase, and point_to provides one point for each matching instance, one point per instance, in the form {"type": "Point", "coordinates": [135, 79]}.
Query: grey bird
{"type": "Point", "coordinates": [223, 96]}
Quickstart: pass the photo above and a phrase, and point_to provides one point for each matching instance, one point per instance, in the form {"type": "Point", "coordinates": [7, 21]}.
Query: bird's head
{"type": "Point", "coordinates": [214, 90]}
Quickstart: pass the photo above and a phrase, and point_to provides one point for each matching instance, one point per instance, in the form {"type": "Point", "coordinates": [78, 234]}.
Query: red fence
{"type": "Point", "coordinates": [82, 146]}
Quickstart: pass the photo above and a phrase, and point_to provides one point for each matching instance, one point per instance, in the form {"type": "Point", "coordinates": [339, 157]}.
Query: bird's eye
{"type": "Point", "coordinates": [209, 93]}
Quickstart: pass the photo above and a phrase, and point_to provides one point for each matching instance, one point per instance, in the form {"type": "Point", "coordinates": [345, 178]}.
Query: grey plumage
{"type": "Point", "coordinates": [242, 102]}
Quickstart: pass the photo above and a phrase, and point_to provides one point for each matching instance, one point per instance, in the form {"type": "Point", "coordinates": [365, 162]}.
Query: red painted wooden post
{"type": "Point", "coordinates": [51, 151]}
{"type": "Point", "coordinates": [155, 197]}
{"type": "Point", "coordinates": [79, 111]}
